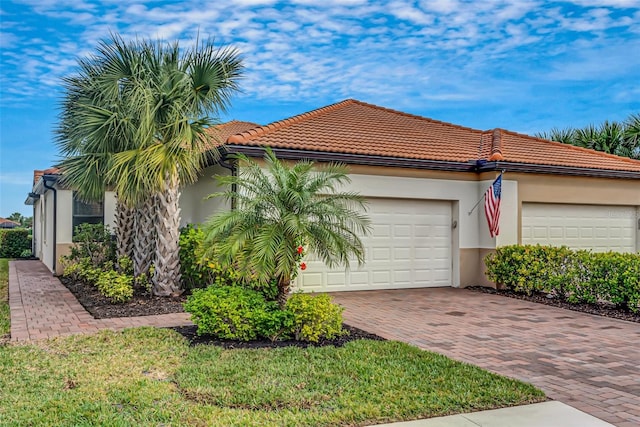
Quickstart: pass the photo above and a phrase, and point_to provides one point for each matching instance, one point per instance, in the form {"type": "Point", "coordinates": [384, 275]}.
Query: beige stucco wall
{"type": "Point", "coordinates": [65, 217]}
{"type": "Point", "coordinates": [471, 242]}
{"type": "Point", "coordinates": [194, 206]}
{"type": "Point", "coordinates": [46, 255]}
{"type": "Point", "coordinates": [110, 210]}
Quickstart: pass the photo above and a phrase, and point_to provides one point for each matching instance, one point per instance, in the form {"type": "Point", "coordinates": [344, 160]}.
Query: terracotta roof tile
{"type": "Point", "coordinates": [526, 149]}
{"type": "Point", "coordinates": [38, 173]}
{"type": "Point", "coordinates": [220, 133]}
{"type": "Point", "coordinates": [355, 127]}
{"type": "Point", "coordinates": [8, 221]}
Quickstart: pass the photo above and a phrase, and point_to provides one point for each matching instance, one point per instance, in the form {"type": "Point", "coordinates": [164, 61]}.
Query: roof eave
{"type": "Point", "coordinates": [39, 188]}
{"type": "Point", "coordinates": [354, 159]}
{"type": "Point", "coordinates": [555, 169]}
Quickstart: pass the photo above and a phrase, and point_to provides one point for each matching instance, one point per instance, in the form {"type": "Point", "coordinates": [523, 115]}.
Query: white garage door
{"type": "Point", "coordinates": [600, 228]}
{"type": "Point", "coordinates": [409, 247]}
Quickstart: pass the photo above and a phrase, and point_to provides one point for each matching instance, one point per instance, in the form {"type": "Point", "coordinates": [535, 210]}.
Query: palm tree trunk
{"type": "Point", "coordinates": [125, 227]}
{"type": "Point", "coordinates": [167, 273]}
{"type": "Point", "coordinates": [284, 286]}
{"type": "Point", "coordinates": [145, 237]}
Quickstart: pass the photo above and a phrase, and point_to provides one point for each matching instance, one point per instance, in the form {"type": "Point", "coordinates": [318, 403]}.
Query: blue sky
{"type": "Point", "coordinates": [523, 65]}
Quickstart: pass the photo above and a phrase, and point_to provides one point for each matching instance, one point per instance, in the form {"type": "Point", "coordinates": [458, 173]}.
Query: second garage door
{"type": "Point", "coordinates": [409, 247]}
{"type": "Point", "coordinates": [600, 228]}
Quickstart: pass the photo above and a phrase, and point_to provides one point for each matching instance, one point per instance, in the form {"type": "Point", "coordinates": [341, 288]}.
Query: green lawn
{"type": "Point", "coordinates": [4, 299]}
{"type": "Point", "coordinates": [151, 376]}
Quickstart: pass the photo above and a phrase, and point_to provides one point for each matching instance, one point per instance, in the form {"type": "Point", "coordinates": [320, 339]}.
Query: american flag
{"type": "Point", "coordinates": [492, 206]}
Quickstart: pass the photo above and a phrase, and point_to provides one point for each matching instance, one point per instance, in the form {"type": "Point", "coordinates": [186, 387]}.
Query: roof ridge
{"type": "Point", "coordinates": [415, 116]}
{"type": "Point", "coordinates": [496, 145]}
{"type": "Point", "coordinates": [280, 124]}
{"type": "Point", "coordinates": [576, 148]}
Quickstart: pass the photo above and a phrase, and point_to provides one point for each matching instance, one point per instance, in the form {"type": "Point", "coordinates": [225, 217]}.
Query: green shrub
{"type": "Point", "coordinates": [616, 276]}
{"type": "Point", "coordinates": [315, 317]}
{"type": "Point", "coordinates": [531, 268]}
{"type": "Point", "coordinates": [199, 271]}
{"type": "Point", "coordinates": [115, 286]}
{"type": "Point", "coordinates": [578, 276]}
{"type": "Point", "coordinates": [81, 270]}
{"type": "Point", "coordinates": [228, 312]}
{"type": "Point", "coordinates": [14, 242]}
{"type": "Point", "coordinates": [583, 288]}
{"type": "Point", "coordinates": [27, 253]}
{"type": "Point", "coordinates": [93, 241]}
{"type": "Point", "coordinates": [275, 324]}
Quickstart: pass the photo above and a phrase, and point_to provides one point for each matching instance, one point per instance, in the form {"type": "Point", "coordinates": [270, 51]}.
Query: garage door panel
{"type": "Point", "coordinates": [600, 228]}
{"type": "Point", "coordinates": [410, 246]}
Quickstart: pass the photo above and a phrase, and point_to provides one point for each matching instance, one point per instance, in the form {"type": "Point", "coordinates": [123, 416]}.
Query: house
{"type": "Point", "coordinates": [7, 223]}
{"type": "Point", "coordinates": [422, 179]}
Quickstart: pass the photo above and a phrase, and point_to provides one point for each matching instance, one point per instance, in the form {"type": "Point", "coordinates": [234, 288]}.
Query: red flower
{"type": "Point", "coordinates": [303, 266]}
{"type": "Point", "coordinates": [300, 249]}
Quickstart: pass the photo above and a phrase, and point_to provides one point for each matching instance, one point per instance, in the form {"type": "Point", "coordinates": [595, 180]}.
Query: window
{"type": "Point", "coordinates": [86, 213]}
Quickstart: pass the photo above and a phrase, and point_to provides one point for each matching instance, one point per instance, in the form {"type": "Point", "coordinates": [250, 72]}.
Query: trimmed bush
{"type": "Point", "coordinates": [578, 276]}
{"type": "Point", "coordinates": [229, 312]}
{"type": "Point", "coordinates": [315, 317]}
{"type": "Point", "coordinates": [14, 242]}
{"type": "Point", "coordinates": [115, 286]}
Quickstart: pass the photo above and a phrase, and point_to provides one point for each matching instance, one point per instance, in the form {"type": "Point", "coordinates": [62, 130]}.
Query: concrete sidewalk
{"type": "Point", "coordinates": [545, 414]}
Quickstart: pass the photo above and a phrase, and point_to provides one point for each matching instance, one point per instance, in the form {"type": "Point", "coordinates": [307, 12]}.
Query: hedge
{"type": "Point", "coordinates": [575, 276]}
{"type": "Point", "coordinates": [14, 243]}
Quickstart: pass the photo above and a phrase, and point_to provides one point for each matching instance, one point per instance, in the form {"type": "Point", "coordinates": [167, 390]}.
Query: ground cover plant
{"type": "Point", "coordinates": [4, 300]}
{"type": "Point", "coordinates": [147, 376]}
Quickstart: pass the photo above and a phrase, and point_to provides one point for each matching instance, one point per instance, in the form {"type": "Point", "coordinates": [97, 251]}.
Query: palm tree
{"type": "Point", "coordinates": [280, 209]}
{"type": "Point", "coordinates": [566, 136]}
{"type": "Point", "coordinates": [134, 119]}
{"type": "Point", "coordinates": [621, 139]}
{"type": "Point", "coordinates": [632, 135]}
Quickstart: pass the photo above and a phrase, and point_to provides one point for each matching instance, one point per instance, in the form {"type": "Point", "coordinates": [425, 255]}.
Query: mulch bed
{"type": "Point", "coordinates": [189, 332]}
{"type": "Point", "coordinates": [606, 310]}
{"type": "Point", "coordinates": [142, 303]}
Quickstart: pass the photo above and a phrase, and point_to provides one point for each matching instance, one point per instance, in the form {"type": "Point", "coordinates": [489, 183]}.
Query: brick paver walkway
{"type": "Point", "coordinates": [591, 363]}
{"type": "Point", "coordinates": [41, 307]}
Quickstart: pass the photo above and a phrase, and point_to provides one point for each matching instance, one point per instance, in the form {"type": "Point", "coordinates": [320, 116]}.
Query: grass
{"type": "Point", "coordinates": [4, 299]}
{"type": "Point", "coordinates": [149, 376]}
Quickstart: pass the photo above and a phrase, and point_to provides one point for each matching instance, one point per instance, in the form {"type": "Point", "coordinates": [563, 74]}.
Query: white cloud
{"type": "Point", "coordinates": [313, 49]}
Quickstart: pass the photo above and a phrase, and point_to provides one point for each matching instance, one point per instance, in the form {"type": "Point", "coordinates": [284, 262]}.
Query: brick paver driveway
{"type": "Point", "coordinates": [591, 363]}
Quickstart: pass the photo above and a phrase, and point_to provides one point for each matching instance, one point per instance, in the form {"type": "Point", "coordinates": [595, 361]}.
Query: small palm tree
{"type": "Point", "coordinates": [277, 210]}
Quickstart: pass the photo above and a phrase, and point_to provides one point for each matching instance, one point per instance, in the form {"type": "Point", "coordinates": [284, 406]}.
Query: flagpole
{"type": "Point", "coordinates": [476, 205]}
{"type": "Point", "coordinates": [484, 194]}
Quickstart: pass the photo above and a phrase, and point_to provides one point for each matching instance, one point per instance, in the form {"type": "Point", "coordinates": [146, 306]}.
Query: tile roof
{"type": "Point", "coordinates": [221, 132]}
{"type": "Point", "coordinates": [38, 173]}
{"type": "Point", "coordinates": [355, 127]}
{"type": "Point", "coordinates": [5, 223]}
{"type": "Point", "coordinates": [521, 148]}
